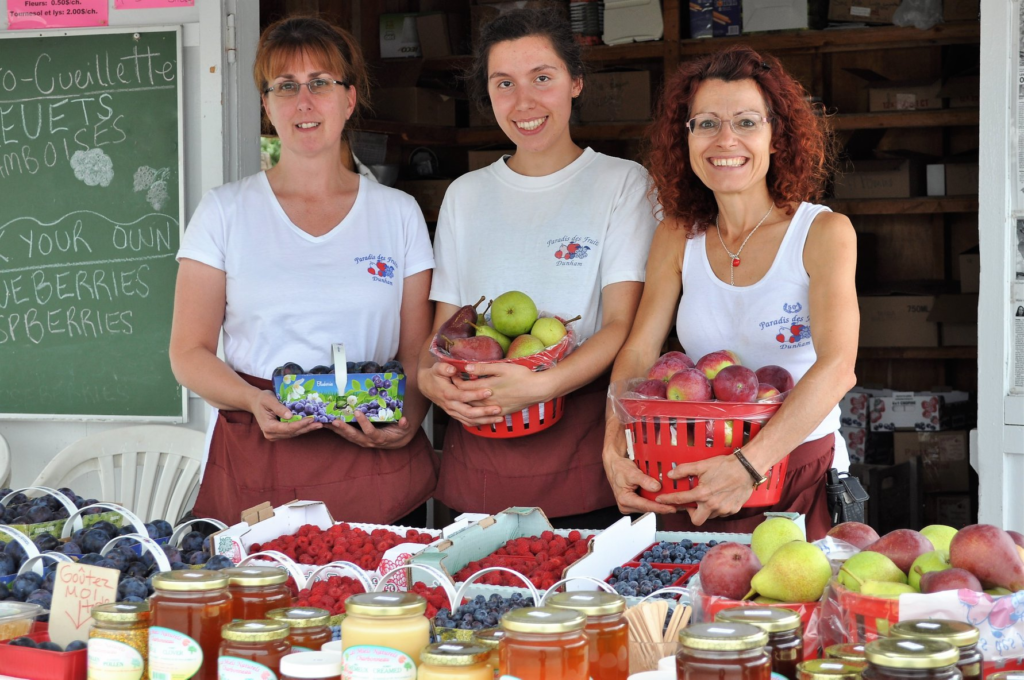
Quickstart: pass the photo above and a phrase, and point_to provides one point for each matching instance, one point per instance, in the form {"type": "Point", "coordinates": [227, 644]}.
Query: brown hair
{"type": "Point", "coordinates": [332, 47]}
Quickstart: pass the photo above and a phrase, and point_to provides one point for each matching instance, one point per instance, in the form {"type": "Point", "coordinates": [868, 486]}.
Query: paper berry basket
{"type": "Point", "coordinates": [535, 418]}
{"type": "Point", "coordinates": [661, 434]}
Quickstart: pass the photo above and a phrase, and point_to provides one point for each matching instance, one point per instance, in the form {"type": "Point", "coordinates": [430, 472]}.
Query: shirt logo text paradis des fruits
{"type": "Point", "coordinates": [572, 249]}
{"type": "Point", "coordinates": [381, 268]}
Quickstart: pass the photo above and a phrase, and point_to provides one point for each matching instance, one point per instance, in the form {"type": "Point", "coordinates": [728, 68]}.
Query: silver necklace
{"type": "Point", "coordinates": [736, 256]}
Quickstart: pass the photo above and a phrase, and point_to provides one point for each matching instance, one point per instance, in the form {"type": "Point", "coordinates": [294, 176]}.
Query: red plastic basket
{"type": "Point", "coordinates": [665, 433]}
{"type": "Point", "coordinates": [40, 664]}
{"type": "Point", "coordinates": [533, 419]}
{"type": "Point", "coordinates": [866, 618]}
{"type": "Point", "coordinates": [810, 613]}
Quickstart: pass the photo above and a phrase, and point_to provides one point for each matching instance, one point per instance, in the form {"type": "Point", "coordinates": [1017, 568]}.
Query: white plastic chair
{"type": "Point", "coordinates": [169, 458]}
{"type": "Point", "coordinates": [5, 463]}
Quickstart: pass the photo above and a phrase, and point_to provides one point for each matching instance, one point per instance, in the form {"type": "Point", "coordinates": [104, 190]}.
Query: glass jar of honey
{"type": "Point", "coordinates": [961, 635]}
{"type": "Point", "coordinates": [544, 642]}
{"type": "Point", "coordinates": [310, 627]}
{"type": "Point", "coordinates": [257, 590]}
{"type": "Point", "coordinates": [723, 651]}
{"type": "Point", "coordinates": [455, 661]}
{"type": "Point", "coordinates": [829, 669]}
{"type": "Point", "coordinates": [491, 639]}
{"type": "Point", "coordinates": [607, 630]}
{"type": "Point", "coordinates": [252, 649]}
{"type": "Point", "coordinates": [311, 666]}
{"type": "Point", "coordinates": [187, 612]}
{"type": "Point", "coordinates": [904, 659]}
{"type": "Point", "coordinates": [383, 634]}
{"type": "Point", "coordinates": [853, 651]}
{"type": "Point", "coordinates": [119, 641]}
{"type": "Point", "coordinates": [785, 634]}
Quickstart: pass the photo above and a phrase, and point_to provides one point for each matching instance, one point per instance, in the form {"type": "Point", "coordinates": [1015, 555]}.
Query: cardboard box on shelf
{"type": "Point", "coordinates": [885, 95]}
{"type": "Point", "coordinates": [923, 411]}
{"type": "Point", "coordinates": [413, 105]}
{"type": "Point", "coordinates": [863, 11]}
{"type": "Point", "coordinates": [952, 179]}
{"type": "Point", "coordinates": [970, 270]}
{"type": "Point", "coordinates": [856, 439]}
{"type": "Point", "coordinates": [896, 497]}
{"type": "Point", "coordinates": [957, 317]}
{"type": "Point", "coordinates": [428, 193]}
{"type": "Point", "coordinates": [945, 459]}
{"type": "Point", "coordinates": [715, 18]}
{"type": "Point", "coordinates": [617, 96]}
{"type": "Point", "coordinates": [895, 178]}
{"type": "Point", "coordinates": [398, 36]}
{"type": "Point", "coordinates": [897, 321]}
{"type": "Point", "coordinates": [954, 510]}
{"type": "Point", "coordinates": [962, 92]}
{"type": "Point", "coordinates": [865, 446]}
{"type": "Point", "coordinates": [774, 15]}
{"type": "Point", "coordinates": [702, 24]}
{"type": "Point", "coordinates": [432, 30]}
{"type": "Point", "coordinates": [485, 157]}
{"type": "Point", "coordinates": [853, 407]}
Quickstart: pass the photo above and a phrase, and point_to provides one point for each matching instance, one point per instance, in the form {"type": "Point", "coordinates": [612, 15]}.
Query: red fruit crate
{"type": "Point", "coordinates": [688, 573]}
{"type": "Point", "coordinates": [40, 664]}
{"type": "Point", "coordinates": [810, 614]}
{"type": "Point", "coordinates": [663, 434]}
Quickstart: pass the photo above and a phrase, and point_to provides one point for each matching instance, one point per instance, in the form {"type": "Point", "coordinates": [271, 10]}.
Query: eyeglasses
{"type": "Point", "coordinates": [707, 125]}
{"type": "Point", "coordinates": [290, 88]}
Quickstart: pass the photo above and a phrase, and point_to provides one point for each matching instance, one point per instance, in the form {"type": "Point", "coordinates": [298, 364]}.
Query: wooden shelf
{"type": "Point", "coordinates": [904, 119]}
{"type": "Point", "coordinates": [598, 54]}
{"type": "Point", "coordinates": [928, 353]}
{"type": "Point", "coordinates": [904, 206]}
{"type": "Point", "coordinates": [841, 40]}
{"type": "Point", "coordinates": [494, 135]}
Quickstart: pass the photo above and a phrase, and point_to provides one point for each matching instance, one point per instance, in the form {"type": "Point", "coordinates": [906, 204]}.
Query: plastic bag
{"type": "Point", "coordinates": [922, 14]}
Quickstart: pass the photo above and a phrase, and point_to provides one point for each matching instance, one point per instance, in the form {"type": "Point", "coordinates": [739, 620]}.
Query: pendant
{"type": "Point", "coordinates": [735, 262]}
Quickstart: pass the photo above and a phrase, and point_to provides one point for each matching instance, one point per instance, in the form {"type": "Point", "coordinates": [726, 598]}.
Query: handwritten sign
{"type": "Point", "coordinates": [39, 14]}
{"type": "Point", "coordinates": [76, 590]}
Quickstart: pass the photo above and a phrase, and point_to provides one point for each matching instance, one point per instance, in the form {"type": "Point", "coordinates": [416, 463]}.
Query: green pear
{"type": "Point", "coordinates": [524, 346]}
{"type": "Point", "coordinates": [869, 566]}
{"type": "Point", "coordinates": [936, 560]}
{"type": "Point", "coordinates": [772, 533]}
{"type": "Point", "coordinates": [940, 535]}
{"type": "Point", "coordinates": [885, 589]}
{"type": "Point", "coordinates": [548, 330]}
{"type": "Point", "coordinates": [797, 572]}
{"type": "Point", "coordinates": [513, 313]}
{"type": "Point", "coordinates": [761, 599]}
{"type": "Point", "coordinates": [484, 329]}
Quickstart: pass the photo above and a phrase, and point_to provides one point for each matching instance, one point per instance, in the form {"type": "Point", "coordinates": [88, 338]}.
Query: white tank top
{"type": "Point", "coordinates": [766, 323]}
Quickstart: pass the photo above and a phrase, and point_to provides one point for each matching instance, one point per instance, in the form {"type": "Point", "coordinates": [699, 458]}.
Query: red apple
{"type": "Point", "coordinates": [668, 365]}
{"type": "Point", "coordinates": [726, 570]}
{"type": "Point", "coordinates": [652, 388]}
{"type": "Point", "coordinates": [735, 384]}
{"type": "Point", "coordinates": [711, 364]}
{"type": "Point", "coordinates": [776, 376]}
{"type": "Point", "coordinates": [689, 385]}
{"type": "Point", "coordinates": [854, 533]}
{"type": "Point", "coordinates": [765, 392]}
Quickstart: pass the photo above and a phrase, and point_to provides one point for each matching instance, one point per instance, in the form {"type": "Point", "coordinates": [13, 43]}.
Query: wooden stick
{"type": "Point", "coordinates": [680, 617]}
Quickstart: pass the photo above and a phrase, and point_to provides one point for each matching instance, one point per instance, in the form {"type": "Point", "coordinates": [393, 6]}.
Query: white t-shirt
{"type": "Point", "coordinates": [289, 294]}
{"type": "Point", "coordinates": [560, 238]}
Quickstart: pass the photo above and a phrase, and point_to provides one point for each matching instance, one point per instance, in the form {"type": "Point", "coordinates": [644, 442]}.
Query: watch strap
{"type": "Point", "coordinates": [758, 478]}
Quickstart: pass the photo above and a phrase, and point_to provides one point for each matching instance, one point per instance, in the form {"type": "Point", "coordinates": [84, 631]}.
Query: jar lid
{"type": "Point", "coordinates": [314, 665]}
{"type": "Point", "coordinates": [723, 637]}
{"type": "Point", "coordinates": [543, 620]}
{"type": "Point", "coordinates": [261, 630]}
{"type": "Point", "coordinates": [301, 617]}
{"type": "Point", "coordinates": [768, 619]}
{"type": "Point", "coordinates": [489, 637]}
{"type": "Point", "coordinates": [255, 576]}
{"type": "Point", "coordinates": [589, 602]}
{"type": "Point", "coordinates": [957, 633]}
{"type": "Point", "coordinates": [829, 669]}
{"type": "Point", "coordinates": [121, 612]}
{"type": "Point", "coordinates": [385, 604]}
{"type": "Point", "coordinates": [914, 654]}
{"type": "Point", "coordinates": [189, 580]}
{"type": "Point", "coordinates": [848, 652]}
{"type": "Point", "coordinates": [455, 654]}
{"type": "Point", "coordinates": [1006, 675]}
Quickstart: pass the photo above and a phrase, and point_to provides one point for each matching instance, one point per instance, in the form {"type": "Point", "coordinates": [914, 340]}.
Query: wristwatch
{"type": "Point", "coordinates": [758, 478]}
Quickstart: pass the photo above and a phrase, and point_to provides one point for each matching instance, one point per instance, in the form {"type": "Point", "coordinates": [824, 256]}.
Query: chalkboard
{"type": "Point", "coordinates": [90, 221]}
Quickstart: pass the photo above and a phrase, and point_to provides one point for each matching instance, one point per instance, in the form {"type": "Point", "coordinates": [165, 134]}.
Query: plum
{"type": "Point", "coordinates": [23, 642]}
{"type": "Point", "coordinates": [178, 566]}
{"type": "Point", "coordinates": [106, 564]}
{"type": "Point", "coordinates": [95, 539]}
{"type": "Point", "coordinates": [199, 557]}
{"type": "Point", "coordinates": [133, 598]}
{"type": "Point", "coordinates": [41, 597]}
{"type": "Point", "coordinates": [75, 646]}
{"type": "Point", "coordinates": [91, 558]}
{"type": "Point", "coordinates": [192, 541]}
{"type": "Point", "coordinates": [61, 513]}
{"type": "Point", "coordinates": [50, 646]}
{"type": "Point", "coordinates": [3, 509]}
{"type": "Point", "coordinates": [173, 555]}
{"type": "Point", "coordinates": [46, 541]}
{"type": "Point", "coordinates": [4, 593]}
{"type": "Point", "coordinates": [152, 531]}
{"type": "Point", "coordinates": [219, 562]}
{"type": "Point", "coordinates": [15, 550]}
{"type": "Point", "coordinates": [25, 584]}
{"type": "Point", "coordinates": [118, 559]}
{"type": "Point", "coordinates": [49, 580]}
{"type": "Point", "coordinates": [137, 569]}
{"type": "Point", "coordinates": [71, 548]}
{"type": "Point", "coordinates": [126, 529]}
{"type": "Point", "coordinates": [71, 495]}
{"type": "Point", "coordinates": [76, 537]}
{"type": "Point", "coordinates": [7, 565]}
{"type": "Point", "coordinates": [132, 586]}
{"type": "Point", "coordinates": [17, 499]}
{"type": "Point", "coordinates": [164, 527]}
{"type": "Point", "coordinates": [106, 527]}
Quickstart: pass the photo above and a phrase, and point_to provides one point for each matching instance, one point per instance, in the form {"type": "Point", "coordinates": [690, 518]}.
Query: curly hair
{"type": "Point", "coordinates": [803, 144]}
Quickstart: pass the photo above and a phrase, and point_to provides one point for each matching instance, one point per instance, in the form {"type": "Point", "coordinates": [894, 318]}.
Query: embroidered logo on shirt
{"type": "Point", "coordinates": [381, 268]}
{"type": "Point", "coordinates": [572, 249]}
{"type": "Point", "coordinates": [791, 329]}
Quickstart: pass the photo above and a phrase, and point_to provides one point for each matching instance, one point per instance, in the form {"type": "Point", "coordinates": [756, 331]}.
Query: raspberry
{"type": "Point", "coordinates": [574, 535]}
{"type": "Point", "coordinates": [536, 547]}
{"type": "Point", "coordinates": [547, 535]}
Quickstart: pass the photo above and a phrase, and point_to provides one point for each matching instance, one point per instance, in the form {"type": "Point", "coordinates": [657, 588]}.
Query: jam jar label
{"type": "Point", "coordinates": [173, 656]}
{"type": "Point", "coordinates": [233, 668]}
{"type": "Point", "coordinates": [110, 660]}
{"type": "Point", "coordinates": [369, 662]}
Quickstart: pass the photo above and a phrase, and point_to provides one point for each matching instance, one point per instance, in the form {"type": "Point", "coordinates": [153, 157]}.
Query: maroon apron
{"type": "Point", "coordinates": [357, 484]}
{"type": "Point", "coordinates": [803, 492]}
{"type": "Point", "coordinates": [558, 469]}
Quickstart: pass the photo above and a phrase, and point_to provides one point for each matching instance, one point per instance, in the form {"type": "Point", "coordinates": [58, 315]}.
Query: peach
{"type": "Point", "coordinates": [711, 364]}
{"type": "Point", "coordinates": [668, 365]}
{"type": "Point", "coordinates": [652, 388]}
{"type": "Point", "coordinates": [689, 384]}
{"type": "Point", "coordinates": [766, 392]}
{"type": "Point", "coordinates": [776, 376]}
{"type": "Point", "coordinates": [735, 384]}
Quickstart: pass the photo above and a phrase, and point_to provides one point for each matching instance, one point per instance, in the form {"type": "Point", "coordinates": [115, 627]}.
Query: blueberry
{"type": "Point", "coordinates": [392, 366]}
{"type": "Point", "coordinates": [75, 646]}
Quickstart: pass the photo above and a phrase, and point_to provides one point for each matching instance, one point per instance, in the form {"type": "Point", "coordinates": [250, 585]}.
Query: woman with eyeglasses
{"type": "Point", "coordinates": [737, 157]}
{"type": "Point", "coordinates": [285, 263]}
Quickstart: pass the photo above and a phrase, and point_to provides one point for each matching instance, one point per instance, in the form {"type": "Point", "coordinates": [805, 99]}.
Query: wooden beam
{"type": "Point", "coordinates": [905, 206]}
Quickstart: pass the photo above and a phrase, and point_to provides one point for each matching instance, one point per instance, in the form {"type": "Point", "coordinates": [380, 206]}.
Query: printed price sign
{"type": "Point", "coordinates": [41, 14]}
{"type": "Point", "coordinates": [77, 589]}
{"type": "Point", "coordinates": [152, 4]}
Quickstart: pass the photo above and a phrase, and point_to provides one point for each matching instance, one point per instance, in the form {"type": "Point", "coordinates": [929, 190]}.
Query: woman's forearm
{"type": "Point", "coordinates": [202, 372]}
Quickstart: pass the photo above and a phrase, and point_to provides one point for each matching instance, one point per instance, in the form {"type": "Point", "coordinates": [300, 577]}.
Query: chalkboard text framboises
{"type": "Point", "coordinates": [91, 208]}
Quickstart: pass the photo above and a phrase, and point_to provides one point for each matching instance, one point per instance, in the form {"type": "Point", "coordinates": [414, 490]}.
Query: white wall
{"type": "Point", "coordinates": [221, 131]}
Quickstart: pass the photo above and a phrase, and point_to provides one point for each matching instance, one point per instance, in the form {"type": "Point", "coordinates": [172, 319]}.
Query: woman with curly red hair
{"type": "Point", "coordinates": [737, 155]}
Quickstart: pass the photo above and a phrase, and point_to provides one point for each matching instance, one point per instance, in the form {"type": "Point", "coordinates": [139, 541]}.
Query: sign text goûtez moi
{"type": "Point", "coordinates": [90, 221]}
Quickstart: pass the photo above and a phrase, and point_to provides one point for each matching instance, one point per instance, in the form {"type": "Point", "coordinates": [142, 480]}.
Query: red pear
{"type": "Point", "coordinates": [477, 348]}
{"type": "Point", "coordinates": [854, 533]}
{"type": "Point", "coordinates": [460, 324]}
{"type": "Point", "coordinates": [989, 553]}
{"type": "Point", "coordinates": [902, 546]}
{"type": "Point", "coordinates": [726, 570]}
{"type": "Point", "coordinates": [949, 579]}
